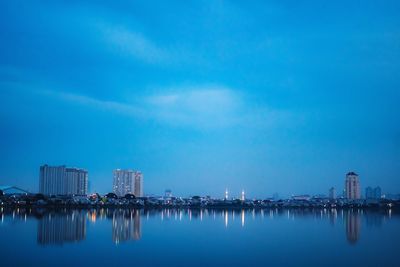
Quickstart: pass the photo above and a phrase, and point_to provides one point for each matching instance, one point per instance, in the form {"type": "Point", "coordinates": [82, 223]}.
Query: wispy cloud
{"type": "Point", "coordinates": [114, 106]}
{"type": "Point", "coordinates": [132, 43]}
{"type": "Point", "coordinates": [198, 107]}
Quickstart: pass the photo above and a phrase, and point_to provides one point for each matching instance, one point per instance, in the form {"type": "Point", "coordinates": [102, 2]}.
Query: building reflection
{"type": "Point", "coordinates": [353, 226]}
{"type": "Point", "coordinates": [126, 225]}
{"type": "Point", "coordinates": [374, 219]}
{"type": "Point", "coordinates": [56, 228]}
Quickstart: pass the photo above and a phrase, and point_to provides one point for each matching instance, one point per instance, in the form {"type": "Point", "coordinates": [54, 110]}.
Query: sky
{"type": "Point", "coordinates": [201, 96]}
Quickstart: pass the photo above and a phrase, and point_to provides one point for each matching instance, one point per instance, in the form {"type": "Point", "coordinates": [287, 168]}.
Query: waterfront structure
{"type": "Point", "coordinates": [352, 186]}
{"type": "Point", "coordinates": [301, 197]}
{"type": "Point", "coordinates": [373, 193]}
{"type": "Point", "coordinates": [332, 193]}
{"type": "Point", "coordinates": [127, 182]}
{"type": "Point", "coordinates": [62, 180]}
{"type": "Point", "coordinates": [226, 194]}
{"type": "Point", "coordinates": [12, 191]}
{"type": "Point", "coordinates": [243, 198]}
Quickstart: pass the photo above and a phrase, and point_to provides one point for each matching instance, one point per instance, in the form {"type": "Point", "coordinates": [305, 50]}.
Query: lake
{"type": "Point", "coordinates": [198, 237]}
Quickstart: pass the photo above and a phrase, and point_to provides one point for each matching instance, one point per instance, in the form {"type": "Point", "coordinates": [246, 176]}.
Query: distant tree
{"type": "Point", "coordinates": [39, 196]}
{"type": "Point", "coordinates": [130, 196]}
{"type": "Point", "coordinates": [111, 195]}
{"type": "Point", "coordinates": [1, 193]}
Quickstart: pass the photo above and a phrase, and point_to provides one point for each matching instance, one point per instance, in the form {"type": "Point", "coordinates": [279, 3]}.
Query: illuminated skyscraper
{"type": "Point", "coordinates": [128, 182]}
{"type": "Point", "coordinates": [123, 182]}
{"type": "Point", "coordinates": [352, 186]}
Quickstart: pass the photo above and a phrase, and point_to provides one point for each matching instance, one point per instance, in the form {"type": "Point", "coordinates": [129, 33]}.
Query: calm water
{"type": "Point", "coordinates": [121, 237]}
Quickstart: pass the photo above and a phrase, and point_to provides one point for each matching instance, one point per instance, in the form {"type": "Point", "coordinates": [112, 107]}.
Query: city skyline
{"type": "Point", "coordinates": [264, 97]}
{"type": "Point", "coordinates": [62, 180]}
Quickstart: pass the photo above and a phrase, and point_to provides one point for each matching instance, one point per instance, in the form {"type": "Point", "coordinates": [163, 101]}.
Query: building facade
{"type": "Point", "coordinates": [123, 182]}
{"type": "Point", "coordinates": [373, 193]}
{"type": "Point", "coordinates": [332, 193]}
{"type": "Point", "coordinates": [62, 180]}
{"type": "Point", "coordinates": [352, 186]}
{"type": "Point", "coordinates": [138, 184]}
{"type": "Point", "coordinates": [127, 182]}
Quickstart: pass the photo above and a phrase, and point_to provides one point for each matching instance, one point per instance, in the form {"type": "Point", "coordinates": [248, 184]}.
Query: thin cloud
{"type": "Point", "coordinates": [114, 106]}
{"type": "Point", "coordinates": [132, 43]}
{"type": "Point", "coordinates": [201, 107]}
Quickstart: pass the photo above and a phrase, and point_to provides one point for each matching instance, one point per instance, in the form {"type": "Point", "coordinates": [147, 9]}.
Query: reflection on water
{"type": "Point", "coordinates": [353, 226]}
{"type": "Point", "coordinates": [125, 225]}
{"type": "Point", "coordinates": [60, 227]}
{"type": "Point", "coordinates": [56, 227]}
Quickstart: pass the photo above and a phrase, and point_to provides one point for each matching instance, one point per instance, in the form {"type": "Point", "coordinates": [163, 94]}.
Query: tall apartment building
{"type": "Point", "coordinates": [373, 193]}
{"type": "Point", "coordinates": [352, 186]}
{"type": "Point", "coordinates": [62, 180]}
{"type": "Point", "coordinates": [332, 193]}
{"type": "Point", "coordinates": [127, 182]}
{"type": "Point", "coordinates": [138, 184]}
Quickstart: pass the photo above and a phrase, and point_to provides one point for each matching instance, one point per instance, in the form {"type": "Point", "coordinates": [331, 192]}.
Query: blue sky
{"type": "Point", "coordinates": [268, 96]}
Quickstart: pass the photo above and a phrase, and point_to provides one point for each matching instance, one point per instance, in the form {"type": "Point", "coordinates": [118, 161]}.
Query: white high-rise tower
{"type": "Point", "coordinates": [352, 186]}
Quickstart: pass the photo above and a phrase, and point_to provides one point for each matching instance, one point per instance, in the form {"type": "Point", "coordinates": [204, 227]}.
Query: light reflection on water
{"type": "Point", "coordinates": [202, 237]}
{"type": "Point", "coordinates": [70, 225]}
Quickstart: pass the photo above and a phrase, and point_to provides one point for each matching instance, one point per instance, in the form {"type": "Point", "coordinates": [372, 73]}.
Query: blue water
{"type": "Point", "coordinates": [123, 237]}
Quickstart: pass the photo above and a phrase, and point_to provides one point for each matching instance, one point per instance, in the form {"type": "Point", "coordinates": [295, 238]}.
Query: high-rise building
{"type": "Point", "coordinates": [332, 193]}
{"type": "Point", "coordinates": [128, 182]}
{"type": "Point", "coordinates": [377, 193]}
{"type": "Point", "coordinates": [138, 184]}
{"type": "Point", "coordinates": [369, 193]}
{"type": "Point", "coordinates": [373, 193]}
{"type": "Point", "coordinates": [123, 182]}
{"type": "Point", "coordinates": [61, 180]}
{"type": "Point", "coordinates": [352, 186]}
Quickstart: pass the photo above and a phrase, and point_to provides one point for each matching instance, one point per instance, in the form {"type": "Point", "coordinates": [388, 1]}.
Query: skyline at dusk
{"type": "Point", "coordinates": [277, 97]}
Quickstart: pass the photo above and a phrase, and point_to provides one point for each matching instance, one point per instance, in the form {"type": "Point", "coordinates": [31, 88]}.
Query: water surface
{"type": "Point", "coordinates": [184, 237]}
